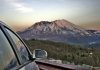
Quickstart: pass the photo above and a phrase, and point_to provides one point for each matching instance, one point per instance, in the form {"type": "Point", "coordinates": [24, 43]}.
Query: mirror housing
{"type": "Point", "coordinates": [39, 54]}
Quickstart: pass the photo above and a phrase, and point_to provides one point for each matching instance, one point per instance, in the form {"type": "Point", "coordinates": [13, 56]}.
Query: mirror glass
{"type": "Point", "coordinates": [38, 53]}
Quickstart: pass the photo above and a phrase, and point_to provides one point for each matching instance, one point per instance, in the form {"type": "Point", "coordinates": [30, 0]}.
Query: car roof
{"type": "Point", "coordinates": [3, 23]}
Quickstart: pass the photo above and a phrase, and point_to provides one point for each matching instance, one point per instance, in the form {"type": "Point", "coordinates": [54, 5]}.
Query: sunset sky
{"type": "Point", "coordinates": [20, 14]}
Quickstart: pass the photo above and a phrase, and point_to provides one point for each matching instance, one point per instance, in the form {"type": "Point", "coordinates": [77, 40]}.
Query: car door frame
{"type": "Point", "coordinates": [14, 47]}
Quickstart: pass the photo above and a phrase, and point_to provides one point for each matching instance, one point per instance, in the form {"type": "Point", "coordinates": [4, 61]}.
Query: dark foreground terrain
{"type": "Point", "coordinates": [69, 53]}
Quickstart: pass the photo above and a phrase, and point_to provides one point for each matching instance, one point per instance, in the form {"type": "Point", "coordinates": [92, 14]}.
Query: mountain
{"type": "Point", "coordinates": [60, 31]}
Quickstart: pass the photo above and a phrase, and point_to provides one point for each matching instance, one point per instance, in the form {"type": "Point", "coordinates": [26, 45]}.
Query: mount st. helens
{"type": "Point", "coordinates": [61, 31]}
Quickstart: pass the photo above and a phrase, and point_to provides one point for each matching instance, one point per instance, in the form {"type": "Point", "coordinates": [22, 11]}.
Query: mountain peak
{"type": "Point", "coordinates": [53, 25]}
{"type": "Point", "coordinates": [63, 23]}
{"type": "Point", "coordinates": [57, 27]}
{"type": "Point", "coordinates": [59, 30]}
{"type": "Point", "coordinates": [57, 23]}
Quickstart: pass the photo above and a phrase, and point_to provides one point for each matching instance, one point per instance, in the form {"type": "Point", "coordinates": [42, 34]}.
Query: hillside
{"type": "Point", "coordinates": [66, 52]}
{"type": "Point", "coordinates": [60, 31]}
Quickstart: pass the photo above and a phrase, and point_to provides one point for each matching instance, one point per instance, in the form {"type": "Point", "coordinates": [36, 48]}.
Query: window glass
{"type": "Point", "coordinates": [21, 48]}
{"type": "Point", "coordinates": [7, 57]}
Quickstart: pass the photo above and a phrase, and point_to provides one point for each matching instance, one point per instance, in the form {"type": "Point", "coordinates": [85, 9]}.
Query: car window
{"type": "Point", "coordinates": [20, 46]}
{"type": "Point", "coordinates": [7, 57]}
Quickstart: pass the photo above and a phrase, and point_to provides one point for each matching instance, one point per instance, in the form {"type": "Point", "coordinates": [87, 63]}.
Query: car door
{"type": "Point", "coordinates": [26, 61]}
{"type": "Point", "coordinates": [8, 59]}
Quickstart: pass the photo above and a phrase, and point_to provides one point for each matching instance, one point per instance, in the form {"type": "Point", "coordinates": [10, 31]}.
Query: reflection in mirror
{"type": "Point", "coordinates": [38, 53]}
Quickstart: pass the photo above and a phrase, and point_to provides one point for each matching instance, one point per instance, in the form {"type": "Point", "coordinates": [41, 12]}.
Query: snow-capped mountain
{"type": "Point", "coordinates": [57, 27]}
{"type": "Point", "coordinates": [61, 31]}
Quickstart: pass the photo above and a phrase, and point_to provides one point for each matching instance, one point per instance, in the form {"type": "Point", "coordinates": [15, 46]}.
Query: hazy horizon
{"type": "Point", "coordinates": [20, 14]}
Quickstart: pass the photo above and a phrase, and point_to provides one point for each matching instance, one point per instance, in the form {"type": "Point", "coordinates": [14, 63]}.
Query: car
{"type": "Point", "coordinates": [14, 53]}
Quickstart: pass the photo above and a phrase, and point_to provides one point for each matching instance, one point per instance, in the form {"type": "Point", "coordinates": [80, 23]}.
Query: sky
{"type": "Point", "coordinates": [20, 14]}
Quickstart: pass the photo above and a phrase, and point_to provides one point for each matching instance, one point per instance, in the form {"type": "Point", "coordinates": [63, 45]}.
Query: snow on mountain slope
{"type": "Point", "coordinates": [57, 27]}
{"type": "Point", "coordinates": [59, 30]}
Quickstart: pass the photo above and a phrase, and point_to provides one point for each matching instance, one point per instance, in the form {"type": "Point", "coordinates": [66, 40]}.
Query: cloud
{"type": "Point", "coordinates": [20, 7]}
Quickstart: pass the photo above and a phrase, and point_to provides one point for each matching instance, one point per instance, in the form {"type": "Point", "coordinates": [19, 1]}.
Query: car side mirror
{"type": "Point", "coordinates": [39, 54]}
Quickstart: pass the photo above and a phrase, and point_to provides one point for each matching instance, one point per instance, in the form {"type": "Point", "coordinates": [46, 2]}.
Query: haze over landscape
{"type": "Point", "coordinates": [20, 14]}
{"type": "Point", "coordinates": [69, 30]}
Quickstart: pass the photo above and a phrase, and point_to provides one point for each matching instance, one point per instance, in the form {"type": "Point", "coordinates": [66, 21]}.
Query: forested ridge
{"type": "Point", "coordinates": [70, 53]}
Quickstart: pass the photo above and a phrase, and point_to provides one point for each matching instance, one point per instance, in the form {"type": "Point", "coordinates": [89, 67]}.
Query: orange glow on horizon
{"type": "Point", "coordinates": [91, 26]}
